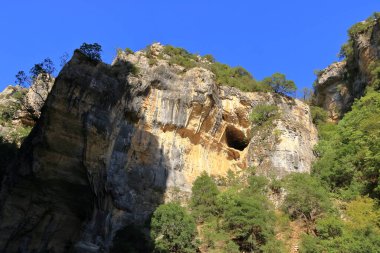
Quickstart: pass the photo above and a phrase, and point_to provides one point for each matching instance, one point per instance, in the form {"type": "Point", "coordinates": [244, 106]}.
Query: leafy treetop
{"type": "Point", "coordinates": [280, 84]}
{"type": "Point", "coordinates": [173, 229]}
{"type": "Point", "coordinates": [92, 51]}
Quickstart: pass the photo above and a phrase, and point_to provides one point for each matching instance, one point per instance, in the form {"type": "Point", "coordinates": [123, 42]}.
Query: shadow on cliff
{"type": "Point", "coordinates": [8, 152]}
{"type": "Point", "coordinates": [88, 177]}
{"type": "Point", "coordinates": [147, 171]}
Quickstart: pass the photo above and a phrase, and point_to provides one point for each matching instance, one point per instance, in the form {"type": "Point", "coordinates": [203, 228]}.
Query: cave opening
{"type": "Point", "coordinates": [236, 138]}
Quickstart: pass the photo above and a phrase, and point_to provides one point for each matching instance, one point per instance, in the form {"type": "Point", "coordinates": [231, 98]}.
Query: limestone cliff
{"type": "Point", "coordinates": [339, 84]}
{"type": "Point", "coordinates": [112, 143]}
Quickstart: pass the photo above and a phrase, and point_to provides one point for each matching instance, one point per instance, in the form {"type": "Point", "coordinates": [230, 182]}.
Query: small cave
{"type": "Point", "coordinates": [236, 138]}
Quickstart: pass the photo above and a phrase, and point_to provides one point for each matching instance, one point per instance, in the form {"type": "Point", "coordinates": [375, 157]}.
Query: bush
{"type": "Point", "coordinates": [318, 115]}
{"type": "Point", "coordinates": [263, 113]}
{"type": "Point", "coordinates": [180, 57]}
{"type": "Point", "coordinates": [236, 77]}
{"type": "Point", "coordinates": [329, 227]}
{"type": "Point", "coordinates": [128, 51]}
{"type": "Point", "coordinates": [209, 58]}
{"type": "Point", "coordinates": [173, 229]}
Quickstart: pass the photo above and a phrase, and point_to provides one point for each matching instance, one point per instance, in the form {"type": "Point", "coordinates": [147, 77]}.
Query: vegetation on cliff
{"type": "Point", "coordinates": [348, 163]}
{"type": "Point", "coordinates": [235, 216]}
{"type": "Point", "coordinates": [349, 152]}
{"type": "Point", "coordinates": [347, 50]}
{"type": "Point", "coordinates": [237, 77]}
{"type": "Point", "coordinates": [336, 207]}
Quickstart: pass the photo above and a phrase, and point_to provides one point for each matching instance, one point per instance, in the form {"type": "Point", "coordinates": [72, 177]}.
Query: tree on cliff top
{"type": "Point", "coordinates": [92, 51]}
{"type": "Point", "coordinates": [279, 83]}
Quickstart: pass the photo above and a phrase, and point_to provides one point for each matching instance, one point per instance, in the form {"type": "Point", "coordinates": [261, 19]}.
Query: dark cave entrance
{"type": "Point", "coordinates": [236, 138]}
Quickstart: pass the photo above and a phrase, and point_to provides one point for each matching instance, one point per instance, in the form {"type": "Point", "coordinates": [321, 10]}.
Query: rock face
{"type": "Point", "coordinates": [37, 94]}
{"type": "Point", "coordinates": [339, 84]}
{"type": "Point", "coordinates": [111, 145]}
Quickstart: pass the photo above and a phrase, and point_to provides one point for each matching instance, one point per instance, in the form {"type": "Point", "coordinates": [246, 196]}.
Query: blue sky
{"type": "Point", "coordinates": [292, 37]}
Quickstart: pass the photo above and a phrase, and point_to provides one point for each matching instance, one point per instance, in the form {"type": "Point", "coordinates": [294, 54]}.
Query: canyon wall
{"type": "Point", "coordinates": [112, 143]}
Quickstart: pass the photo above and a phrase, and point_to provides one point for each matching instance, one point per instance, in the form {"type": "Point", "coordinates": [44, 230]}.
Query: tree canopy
{"type": "Point", "coordinates": [349, 153]}
{"type": "Point", "coordinates": [204, 192]}
{"type": "Point", "coordinates": [92, 51]}
{"type": "Point", "coordinates": [173, 229]}
{"type": "Point", "coordinates": [280, 84]}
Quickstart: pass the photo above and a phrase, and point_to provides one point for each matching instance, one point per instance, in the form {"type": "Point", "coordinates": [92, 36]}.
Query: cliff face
{"type": "Point", "coordinates": [111, 145]}
{"type": "Point", "coordinates": [339, 84]}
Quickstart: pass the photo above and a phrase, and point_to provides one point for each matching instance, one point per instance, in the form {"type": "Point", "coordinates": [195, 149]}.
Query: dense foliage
{"type": "Point", "coordinates": [359, 232]}
{"type": "Point", "coordinates": [244, 221]}
{"type": "Point", "coordinates": [173, 229]}
{"type": "Point", "coordinates": [306, 199]}
{"type": "Point", "coordinates": [203, 198]}
{"type": "Point", "coordinates": [236, 77]}
{"type": "Point", "coordinates": [318, 115]}
{"type": "Point", "coordinates": [349, 153]}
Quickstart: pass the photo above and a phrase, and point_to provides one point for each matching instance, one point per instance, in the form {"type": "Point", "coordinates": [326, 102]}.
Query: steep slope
{"type": "Point", "coordinates": [115, 141]}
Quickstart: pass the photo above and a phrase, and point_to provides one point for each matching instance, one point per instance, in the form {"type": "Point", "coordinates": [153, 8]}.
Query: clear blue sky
{"type": "Point", "coordinates": [292, 37]}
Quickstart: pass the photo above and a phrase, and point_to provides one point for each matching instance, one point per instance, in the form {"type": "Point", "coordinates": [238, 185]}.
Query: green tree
{"type": "Point", "coordinates": [279, 83]}
{"type": "Point", "coordinates": [248, 220]}
{"type": "Point", "coordinates": [203, 197]}
{"type": "Point", "coordinates": [45, 67]}
{"type": "Point", "coordinates": [247, 215]}
{"type": "Point", "coordinates": [305, 198]}
{"type": "Point", "coordinates": [349, 153]}
{"type": "Point", "coordinates": [21, 79]}
{"type": "Point", "coordinates": [63, 59]}
{"type": "Point", "coordinates": [92, 51]}
{"type": "Point", "coordinates": [173, 229]}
